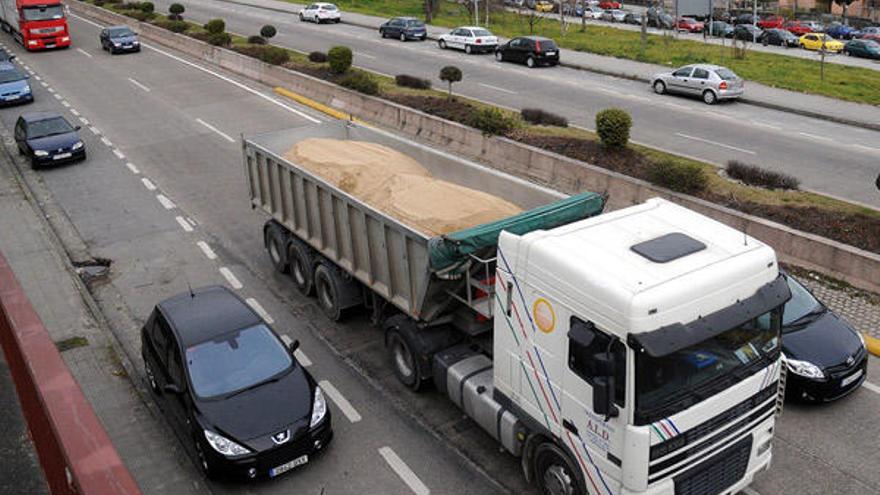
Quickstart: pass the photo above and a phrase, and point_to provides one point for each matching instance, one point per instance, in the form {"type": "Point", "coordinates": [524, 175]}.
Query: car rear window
{"type": "Point", "coordinates": [328, 7]}
{"type": "Point", "coordinates": [547, 45]}
{"type": "Point", "coordinates": [414, 23]}
{"type": "Point", "coordinates": [235, 361]}
{"type": "Point", "coordinates": [481, 32]}
{"type": "Point", "coordinates": [726, 74]}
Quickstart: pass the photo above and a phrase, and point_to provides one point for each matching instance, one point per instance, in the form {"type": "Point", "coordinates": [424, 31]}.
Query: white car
{"type": "Point", "coordinates": [470, 39]}
{"type": "Point", "coordinates": [594, 13]}
{"type": "Point", "coordinates": [320, 13]}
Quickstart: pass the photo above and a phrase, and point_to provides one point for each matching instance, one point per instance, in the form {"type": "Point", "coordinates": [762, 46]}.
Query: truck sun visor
{"type": "Point", "coordinates": [677, 336]}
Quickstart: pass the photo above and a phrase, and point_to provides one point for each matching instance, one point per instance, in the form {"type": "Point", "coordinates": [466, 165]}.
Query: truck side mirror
{"type": "Point", "coordinates": [603, 385]}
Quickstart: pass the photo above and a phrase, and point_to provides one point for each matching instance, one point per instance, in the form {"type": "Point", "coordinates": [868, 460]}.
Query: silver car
{"type": "Point", "coordinates": [614, 15]}
{"type": "Point", "coordinates": [709, 82]}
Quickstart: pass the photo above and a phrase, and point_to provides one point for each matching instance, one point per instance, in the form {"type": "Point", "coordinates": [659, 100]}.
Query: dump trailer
{"type": "Point", "coordinates": [36, 24]}
{"type": "Point", "coordinates": [636, 351]}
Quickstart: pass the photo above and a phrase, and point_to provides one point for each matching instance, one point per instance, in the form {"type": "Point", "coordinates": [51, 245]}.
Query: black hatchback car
{"type": "Point", "coordinates": [47, 138]}
{"type": "Point", "coordinates": [530, 50]}
{"type": "Point", "coordinates": [404, 28]}
{"type": "Point", "coordinates": [826, 358]}
{"type": "Point", "coordinates": [779, 37]}
{"type": "Point", "coordinates": [119, 39]}
{"type": "Point", "coordinates": [230, 387]}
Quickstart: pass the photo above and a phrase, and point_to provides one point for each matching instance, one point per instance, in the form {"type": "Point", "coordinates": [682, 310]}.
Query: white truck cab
{"type": "Point", "coordinates": [644, 345]}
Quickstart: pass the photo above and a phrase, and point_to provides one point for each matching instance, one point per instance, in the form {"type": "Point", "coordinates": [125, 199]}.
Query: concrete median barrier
{"type": "Point", "coordinates": [74, 450]}
{"type": "Point", "coordinates": [858, 267]}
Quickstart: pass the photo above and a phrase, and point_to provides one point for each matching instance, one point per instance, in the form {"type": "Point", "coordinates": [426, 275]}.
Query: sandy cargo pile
{"type": "Point", "coordinates": [398, 185]}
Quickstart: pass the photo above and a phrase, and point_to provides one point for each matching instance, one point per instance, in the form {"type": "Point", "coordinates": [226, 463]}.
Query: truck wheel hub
{"type": "Point", "coordinates": [557, 481]}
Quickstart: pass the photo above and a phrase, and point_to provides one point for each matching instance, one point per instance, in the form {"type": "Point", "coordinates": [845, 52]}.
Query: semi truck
{"type": "Point", "coordinates": [36, 24]}
{"type": "Point", "coordinates": [635, 351]}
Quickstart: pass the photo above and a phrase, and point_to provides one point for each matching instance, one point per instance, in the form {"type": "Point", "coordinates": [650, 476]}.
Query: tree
{"type": "Point", "coordinates": [215, 26]}
{"type": "Point", "coordinates": [432, 8]}
{"type": "Point", "coordinates": [450, 74]}
{"type": "Point", "coordinates": [268, 31]}
{"type": "Point", "coordinates": [176, 10]}
{"type": "Point", "coordinates": [845, 5]}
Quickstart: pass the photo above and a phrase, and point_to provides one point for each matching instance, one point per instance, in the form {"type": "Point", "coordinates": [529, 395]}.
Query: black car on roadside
{"type": "Point", "coordinates": [779, 37]}
{"type": "Point", "coordinates": [231, 388]}
{"type": "Point", "coordinates": [119, 39]}
{"type": "Point", "coordinates": [719, 29]}
{"type": "Point", "coordinates": [404, 28]}
{"type": "Point", "coordinates": [747, 32]}
{"type": "Point", "coordinates": [826, 358]}
{"type": "Point", "coordinates": [47, 138]}
{"type": "Point", "coordinates": [530, 50]}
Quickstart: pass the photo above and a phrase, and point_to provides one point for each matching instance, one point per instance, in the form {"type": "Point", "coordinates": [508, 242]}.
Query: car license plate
{"type": "Point", "coordinates": [50, 45]}
{"type": "Point", "coordinates": [851, 378]}
{"type": "Point", "coordinates": [10, 98]}
{"type": "Point", "coordinates": [287, 466]}
{"type": "Point", "coordinates": [550, 54]}
{"type": "Point", "coordinates": [61, 156]}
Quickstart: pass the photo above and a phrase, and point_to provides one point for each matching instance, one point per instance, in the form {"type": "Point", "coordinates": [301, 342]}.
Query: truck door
{"type": "Point", "coordinates": [597, 439]}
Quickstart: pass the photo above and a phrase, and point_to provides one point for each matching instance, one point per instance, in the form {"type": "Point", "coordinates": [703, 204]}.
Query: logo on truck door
{"type": "Point", "coordinates": [544, 316]}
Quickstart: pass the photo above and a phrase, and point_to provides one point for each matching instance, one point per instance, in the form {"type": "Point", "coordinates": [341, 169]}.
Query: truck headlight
{"type": "Point", "coordinates": [78, 145]}
{"type": "Point", "coordinates": [65, 39]}
{"type": "Point", "coordinates": [805, 369]}
{"type": "Point", "coordinates": [224, 445]}
{"type": "Point", "coordinates": [41, 153]}
{"type": "Point", "coordinates": [319, 408]}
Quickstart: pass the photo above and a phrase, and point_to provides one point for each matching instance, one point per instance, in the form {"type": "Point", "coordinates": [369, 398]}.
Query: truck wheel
{"type": "Point", "coordinates": [275, 240]}
{"type": "Point", "coordinates": [300, 262]}
{"type": "Point", "coordinates": [403, 360]}
{"type": "Point", "coordinates": [554, 472]}
{"type": "Point", "coordinates": [329, 287]}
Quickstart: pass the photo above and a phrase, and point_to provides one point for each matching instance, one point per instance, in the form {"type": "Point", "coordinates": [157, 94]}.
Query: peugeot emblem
{"type": "Point", "coordinates": [850, 361]}
{"type": "Point", "coordinates": [281, 437]}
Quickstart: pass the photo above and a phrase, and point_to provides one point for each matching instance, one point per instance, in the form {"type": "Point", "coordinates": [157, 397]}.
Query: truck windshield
{"type": "Point", "coordinates": [45, 13]}
{"type": "Point", "coordinates": [675, 382]}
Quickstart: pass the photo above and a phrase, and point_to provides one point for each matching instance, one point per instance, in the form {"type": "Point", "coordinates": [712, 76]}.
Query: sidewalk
{"type": "Point", "coordinates": [20, 470]}
{"type": "Point", "coordinates": [821, 107]}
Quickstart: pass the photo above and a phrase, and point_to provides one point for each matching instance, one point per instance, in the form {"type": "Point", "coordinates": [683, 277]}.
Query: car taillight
{"type": "Point", "coordinates": [723, 85]}
{"type": "Point", "coordinates": [537, 47]}
{"type": "Point", "coordinates": [479, 40]}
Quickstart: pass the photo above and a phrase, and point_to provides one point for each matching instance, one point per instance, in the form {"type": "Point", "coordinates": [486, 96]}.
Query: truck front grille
{"type": "Point", "coordinates": [718, 473]}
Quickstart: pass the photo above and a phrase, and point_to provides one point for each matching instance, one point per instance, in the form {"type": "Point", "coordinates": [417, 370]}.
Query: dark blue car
{"type": "Point", "coordinates": [47, 138]}
{"type": "Point", "coordinates": [404, 28]}
{"type": "Point", "coordinates": [14, 87]}
{"type": "Point", "coordinates": [840, 32]}
{"type": "Point", "coordinates": [118, 39]}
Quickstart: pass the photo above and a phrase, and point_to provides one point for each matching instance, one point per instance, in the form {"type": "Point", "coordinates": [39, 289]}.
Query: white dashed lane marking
{"type": "Point", "coordinates": [118, 154]}
{"type": "Point", "coordinates": [300, 356]}
{"type": "Point", "coordinates": [209, 253]}
{"type": "Point", "coordinates": [715, 143]}
{"type": "Point", "coordinates": [65, 104]}
{"type": "Point", "coordinates": [148, 184]}
{"type": "Point", "coordinates": [184, 224]}
{"type": "Point", "coordinates": [167, 203]}
{"type": "Point", "coordinates": [253, 303]}
{"type": "Point", "coordinates": [84, 120]}
{"type": "Point", "coordinates": [106, 141]}
{"type": "Point", "coordinates": [94, 130]}
{"type": "Point", "coordinates": [136, 83]}
{"type": "Point", "coordinates": [341, 402]}
{"type": "Point", "coordinates": [133, 169]}
{"type": "Point", "coordinates": [218, 131]}
{"type": "Point", "coordinates": [496, 88]}
{"type": "Point", "coordinates": [228, 275]}
{"type": "Point", "coordinates": [74, 112]}
{"type": "Point", "coordinates": [403, 471]}
{"type": "Point", "coordinates": [87, 54]}
{"type": "Point", "coordinates": [870, 386]}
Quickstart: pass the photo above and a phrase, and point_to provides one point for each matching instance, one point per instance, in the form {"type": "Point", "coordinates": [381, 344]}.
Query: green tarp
{"type": "Point", "coordinates": [447, 251]}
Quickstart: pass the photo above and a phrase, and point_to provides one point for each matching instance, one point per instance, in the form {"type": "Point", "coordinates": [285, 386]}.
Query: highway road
{"type": "Point", "coordinates": [835, 159]}
{"type": "Point", "coordinates": [163, 195]}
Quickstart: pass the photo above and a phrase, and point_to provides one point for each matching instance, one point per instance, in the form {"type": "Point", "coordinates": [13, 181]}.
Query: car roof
{"type": "Point", "coordinates": [119, 26]}
{"type": "Point", "coordinates": [206, 313]}
{"type": "Point", "coordinates": [708, 66]}
{"type": "Point", "coordinates": [536, 38]}
{"type": "Point", "coordinates": [40, 115]}
{"type": "Point", "coordinates": [405, 18]}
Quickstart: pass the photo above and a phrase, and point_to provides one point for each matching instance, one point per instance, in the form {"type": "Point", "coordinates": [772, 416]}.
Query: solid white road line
{"type": "Point", "coordinates": [496, 88]}
{"type": "Point", "coordinates": [87, 54]}
{"type": "Point", "coordinates": [118, 154]}
{"type": "Point", "coordinates": [405, 473]}
{"type": "Point", "coordinates": [139, 85]}
{"type": "Point", "coordinates": [813, 136]}
{"type": "Point", "coordinates": [148, 184]}
{"type": "Point", "coordinates": [227, 274]}
{"type": "Point", "coordinates": [218, 131]}
{"type": "Point", "coordinates": [340, 401]}
{"type": "Point", "coordinates": [106, 142]}
{"type": "Point", "coordinates": [867, 148]}
{"type": "Point", "coordinates": [715, 143]}
{"type": "Point", "coordinates": [207, 250]}
{"type": "Point", "coordinates": [167, 203]}
{"type": "Point", "coordinates": [259, 309]}
{"type": "Point", "coordinates": [870, 386]}
{"type": "Point", "coordinates": [183, 224]}
{"type": "Point", "coordinates": [133, 169]}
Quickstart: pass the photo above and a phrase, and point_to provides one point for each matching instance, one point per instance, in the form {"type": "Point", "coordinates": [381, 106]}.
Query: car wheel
{"type": "Point", "coordinates": [202, 459]}
{"type": "Point", "coordinates": [442, 44]}
{"type": "Point", "coordinates": [499, 56]}
{"type": "Point", "coordinates": [530, 62]}
{"type": "Point", "coordinates": [382, 33]}
{"type": "Point", "coordinates": [659, 87]}
{"type": "Point", "coordinates": [302, 18]}
{"type": "Point", "coordinates": [151, 377]}
{"type": "Point", "coordinates": [34, 163]}
{"type": "Point", "coordinates": [300, 260]}
{"type": "Point", "coordinates": [403, 361]}
{"type": "Point", "coordinates": [554, 471]}
{"type": "Point", "coordinates": [402, 36]}
{"type": "Point", "coordinates": [709, 97]}
{"type": "Point", "coordinates": [337, 21]}
{"type": "Point", "coordinates": [468, 49]}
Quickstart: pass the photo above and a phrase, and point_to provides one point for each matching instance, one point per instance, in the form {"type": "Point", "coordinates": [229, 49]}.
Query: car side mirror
{"type": "Point", "coordinates": [12, 57]}
{"type": "Point", "coordinates": [603, 385]}
{"type": "Point", "coordinates": [171, 389]}
{"type": "Point", "coordinates": [77, 128]}
{"type": "Point", "coordinates": [293, 346]}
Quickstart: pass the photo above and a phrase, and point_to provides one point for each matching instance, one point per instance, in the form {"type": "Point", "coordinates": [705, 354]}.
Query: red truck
{"type": "Point", "coordinates": [36, 24]}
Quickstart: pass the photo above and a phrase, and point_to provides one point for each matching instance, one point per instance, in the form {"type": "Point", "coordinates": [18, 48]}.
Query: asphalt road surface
{"type": "Point", "coordinates": [163, 195]}
{"type": "Point", "coordinates": [835, 159]}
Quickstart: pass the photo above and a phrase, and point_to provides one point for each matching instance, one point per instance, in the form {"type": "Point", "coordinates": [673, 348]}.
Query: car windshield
{"type": "Point", "coordinates": [120, 32]}
{"type": "Point", "coordinates": [236, 361]}
{"type": "Point", "coordinates": [726, 74]}
{"type": "Point", "coordinates": [42, 13]}
{"type": "Point", "coordinates": [10, 75]}
{"type": "Point", "coordinates": [801, 304]}
{"type": "Point", "coordinates": [481, 32]}
{"type": "Point", "coordinates": [672, 383]}
{"type": "Point", "coordinates": [48, 127]}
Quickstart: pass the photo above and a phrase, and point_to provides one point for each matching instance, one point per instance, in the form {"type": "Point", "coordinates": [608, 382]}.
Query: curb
{"type": "Point", "coordinates": [332, 112]}
{"type": "Point", "coordinates": [873, 344]}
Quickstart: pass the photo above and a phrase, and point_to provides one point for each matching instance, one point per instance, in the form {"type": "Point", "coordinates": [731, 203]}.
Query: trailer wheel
{"type": "Point", "coordinates": [276, 239]}
{"type": "Point", "coordinates": [554, 471]}
{"type": "Point", "coordinates": [403, 360]}
{"type": "Point", "coordinates": [300, 262]}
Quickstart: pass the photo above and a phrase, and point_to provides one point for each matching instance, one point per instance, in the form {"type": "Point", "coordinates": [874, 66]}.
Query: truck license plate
{"type": "Point", "coordinates": [61, 156]}
{"type": "Point", "coordinates": [299, 461]}
{"type": "Point", "coordinates": [851, 378]}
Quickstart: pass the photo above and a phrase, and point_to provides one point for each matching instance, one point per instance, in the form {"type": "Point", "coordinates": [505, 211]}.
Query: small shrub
{"type": "Point", "coordinates": [256, 40]}
{"type": "Point", "coordinates": [754, 175]}
{"type": "Point", "coordinates": [275, 55]}
{"type": "Point", "coordinates": [340, 59]}
{"type": "Point", "coordinates": [128, 5]}
{"type": "Point", "coordinates": [268, 31]}
{"type": "Point", "coordinates": [318, 57]}
{"type": "Point", "coordinates": [176, 11]}
{"type": "Point", "coordinates": [173, 25]}
{"type": "Point", "coordinates": [688, 178]}
{"type": "Point", "coordinates": [112, 2]}
{"type": "Point", "coordinates": [360, 81]}
{"type": "Point", "coordinates": [612, 126]}
{"type": "Point", "coordinates": [540, 117]}
{"type": "Point", "coordinates": [493, 121]}
{"type": "Point", "coordinates": [147, 7]}
{"type": "Point", "coordinates": [99, 3]}
{"type": "Point", "coordinates": [141, 16]}
{"type": "Point", "coordinates": [215, 26]}
{"type": "Point", "coordinates": [412, 82]}
{"type": "Point", "coordinates": [450, 74]}
{"type": "Point", "coordinates": [219, 39]}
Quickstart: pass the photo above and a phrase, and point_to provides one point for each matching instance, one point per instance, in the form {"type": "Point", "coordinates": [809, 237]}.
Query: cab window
{"type": "Point", "coordinates": [585, 341]}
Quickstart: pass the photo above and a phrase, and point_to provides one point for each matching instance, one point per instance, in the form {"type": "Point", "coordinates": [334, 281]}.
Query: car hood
{"type": "Point", "coordinates": [13, 86]}
{"type": "Point", "coordinates": [51, 143]}
{"type": "Point", "coordinates": [264, 410]}
{"type": "Point", "coordinates": [826, 341]}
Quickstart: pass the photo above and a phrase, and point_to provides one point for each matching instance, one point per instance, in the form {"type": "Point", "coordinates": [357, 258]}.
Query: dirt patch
{"type": "Point", "coordinates": [624, 161]}
{"type": "Point", "coordinates": [447, 108]}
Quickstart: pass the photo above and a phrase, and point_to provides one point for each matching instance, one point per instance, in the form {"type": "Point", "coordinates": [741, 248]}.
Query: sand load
{"type": "Point", "coordinates": [399, 186]}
